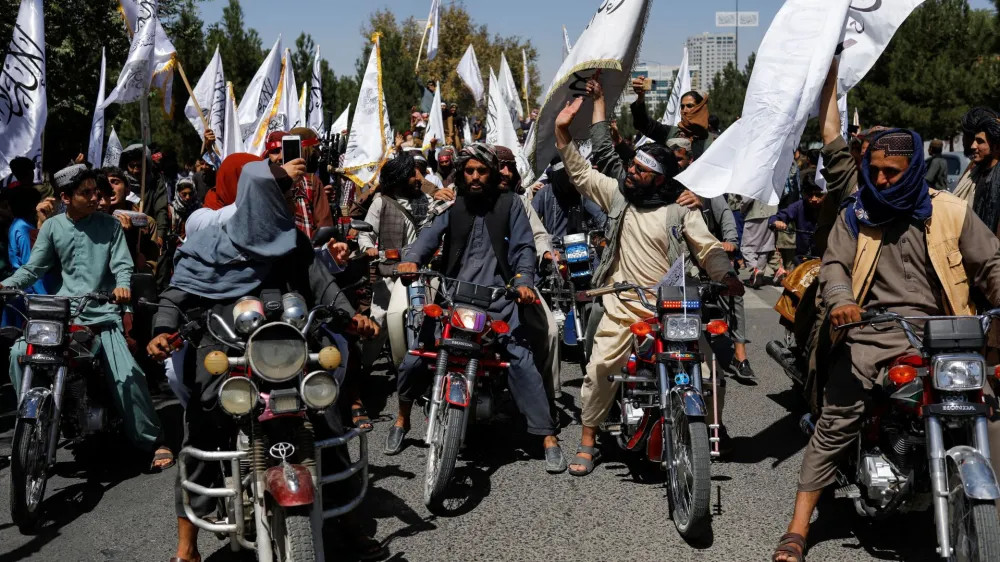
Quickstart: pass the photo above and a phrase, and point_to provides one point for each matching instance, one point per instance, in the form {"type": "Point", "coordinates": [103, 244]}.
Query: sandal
{"type": "Point", "coordinates": [360, 419]}
{"type": "Point", "coordinates": [787, 546]}
{"type": "Point", "coordinates": [588, 464]}
{"type": "Point", "coordinates": [162, 454]}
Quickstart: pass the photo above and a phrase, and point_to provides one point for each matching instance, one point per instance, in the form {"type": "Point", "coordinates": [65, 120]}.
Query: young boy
{"type": "Point", "coordinates": [90, 249]}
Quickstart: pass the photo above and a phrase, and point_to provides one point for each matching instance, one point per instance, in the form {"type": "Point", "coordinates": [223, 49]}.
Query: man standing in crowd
{"type": "Point", "coordinates": [966, 188]}
{"type": "Point", "coordinates": [312, 207]}
{"type": "Point", "coordinates": [986, 155]}
{"type": "Point", "coordinates": [937, 166]}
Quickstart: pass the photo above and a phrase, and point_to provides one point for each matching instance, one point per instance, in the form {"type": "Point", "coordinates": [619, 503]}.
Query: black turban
{"type": "Point", "coordinates": [397, 171]}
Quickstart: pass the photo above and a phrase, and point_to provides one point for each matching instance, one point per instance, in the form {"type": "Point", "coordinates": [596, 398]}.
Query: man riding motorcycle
{"type": "Point", "coordinates": [257, 250]}
{"type": "Point", "coordinates": [898, 246]}
{"type": "Point", "coordinates": [489, 243]}
{"type": "Point", "coordinates": [563, 210]}
{"type": "Point", "coordinates": [90, 249]}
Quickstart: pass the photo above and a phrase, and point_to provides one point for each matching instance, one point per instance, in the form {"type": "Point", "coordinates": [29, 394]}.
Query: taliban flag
{"type": "Point", "coordinates": [340, 125]}
{"type": "Point", "coordinates": [753, 156]}
{"type": "Point", "coordinates": [371, 136]}
{"type": "Point", "coordinates": [433, 29]}
{"type": "Point", "coordinates": [609, 45]}
{"type": "Point", "coordinates": [508, 88]}
{"type": "Point", "coordinates": [96, 147]}
{"type": "Point", "coordinates": [232, 139]}
{"type": "Point", "coordinates": [472, 77]}
{"type": "Point", "coordinates": [260, 91]}
{"type": "Point", "coordinates": [282, 114]}
{"type": "Point", "coordinates": [499, 127]}
{"type": "Point", "coordinates": [23, 106]}
{"type": "Point", "coordinates": [210, 92]}
{"type": "Point", "coordinates": [165, 55]}
{"type": "Point", "coordinates": [113, 154]}
{"type": "Point", "coordinates": [315, 120]}
{"type": "Point", "coordinates": [137, 74]}
{"type": "Point", "coordinates": [435, 123]}
{"type": "Point", "coordinates": [567, 47]}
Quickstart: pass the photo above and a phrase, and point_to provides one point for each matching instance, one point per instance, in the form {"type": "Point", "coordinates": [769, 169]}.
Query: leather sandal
{"type": "Point", "coordinates": [787, 547]}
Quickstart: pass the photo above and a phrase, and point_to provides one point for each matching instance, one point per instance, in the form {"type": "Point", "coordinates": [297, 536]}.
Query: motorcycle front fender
{"type": "Point", "coordinates": [34, 403]}
{"type": "Point", "coordinates": [290, 485]}
{"type": "Point", "coordinates": [456, 391]}
{"type": "Point", "coordinates": [978, 478]}
{"type": "Point", "coordinates": [689, 399]}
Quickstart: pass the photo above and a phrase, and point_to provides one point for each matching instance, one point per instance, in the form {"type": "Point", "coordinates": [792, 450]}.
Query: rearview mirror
{"type": "Point", "coordinates": [361, 226]}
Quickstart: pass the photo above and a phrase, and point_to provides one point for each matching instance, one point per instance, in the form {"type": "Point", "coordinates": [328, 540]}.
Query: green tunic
{"type": "Point", "coordinates": [93, 256]}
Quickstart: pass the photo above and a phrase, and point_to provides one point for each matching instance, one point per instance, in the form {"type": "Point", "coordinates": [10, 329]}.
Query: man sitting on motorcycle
{"type": "Point", "coordinates": [257, 250]}
{"type": "Point", "coordinates": [647, 230]}
{"type": "Point", "coordinates": [898, 246]}
{"type": "Point", "coordinates": [539, 317]}
{"type": "Point", "coordinates": [483, 248]}
{"type": "Point", "coordinates": [803, 214]}
{"type": "Point", "coordinates": [563, 210]}
{"type": "Point", "coordinates": [397, 214]}
{"type": "Point", "coordinates": [90, 250]}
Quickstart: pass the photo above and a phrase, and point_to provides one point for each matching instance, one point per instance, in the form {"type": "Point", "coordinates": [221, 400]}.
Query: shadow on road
{"type": "Point", "coordinates": [779, 441]}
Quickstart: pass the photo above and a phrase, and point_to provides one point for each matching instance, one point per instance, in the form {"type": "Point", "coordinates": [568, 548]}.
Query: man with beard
{"type": "Point", "coordinates": [397, 214]}
{"type": "Point", "coordinates": [563, 210]}
{"type": "Point", "coordinates": [647, 232]}
{"type": "Point", "coordinates": [312, 208]}
{"type": "Point", "coordinates": [453, 126]}
{"type": "Point", "coordinates": [539, 317]}
{"type": "Point", "coordinates": [985, 156]}
{"type": "Point", "coordinates": [446, 166]}
{"type": "Point", "coordinates": [488, 242]}
{"type": "Point", "coordinates": [904, 248]}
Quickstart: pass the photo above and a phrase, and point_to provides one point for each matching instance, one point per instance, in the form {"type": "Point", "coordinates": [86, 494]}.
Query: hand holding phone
{"type": "Point", "coordinates": [291, 148]}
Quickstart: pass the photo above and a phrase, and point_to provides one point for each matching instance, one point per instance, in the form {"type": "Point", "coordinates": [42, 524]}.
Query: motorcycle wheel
{"type": "Point", "coordinates": [974, 526]}
{"type": "Point", "coordinates": [442, 454]}
{"type": "Point", "coordinates": [690, 485]}
{"type": "Point", "coordinates": [291, 531]}
{"type": "Point", "coordinates": [28, 471]}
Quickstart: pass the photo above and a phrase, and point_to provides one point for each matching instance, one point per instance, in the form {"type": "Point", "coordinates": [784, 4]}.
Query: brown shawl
{"type": "Point", "coordinates": [694, 124]}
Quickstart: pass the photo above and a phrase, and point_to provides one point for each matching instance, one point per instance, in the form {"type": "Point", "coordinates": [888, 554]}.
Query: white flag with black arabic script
{"type": "Point", "coordinates": [371, 135]}
{"type": "Point", "coordinates": [499, 128]}
{"type": "Point", "coordinates": [210, 91]}
{"type": "Point", "coordinates": [282, 114]}
{"type": "Point", "coordinates": [753, 156]}
{"type": "Point", "coordinates": [567, 47]}
{"type": "Point", "coordinates": [609, 44]}
{"type": "Point", "coordinates": [681, 85]}
{"type": "Point", "coordinates": [23, 103]}
{"type": "Point", "coordinates": [433, 29]}
{"type": "Point", "coordinates": [231, 136]}
{"type": "Point", "coordinates": [472, 77]}
{"type": "Point", "coordinates": [435, 122]}
{"type": "Point", "coordinates": [114, 151]}
{"type": "Point", "coordinates": [260, 91]}
{"type": "Point", "coordinates": [137, 74]}
{"type": "Point", "coordinates": [315, 119]}
{"type": "Point", "coordinates": [95, 148]}
{"type": "Point", "coordinates": [164, 56]}
{"type": "Point", "coordinates": [508, 87]}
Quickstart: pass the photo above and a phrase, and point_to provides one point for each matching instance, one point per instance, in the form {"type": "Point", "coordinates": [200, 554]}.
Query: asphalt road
{"type": "Point", "coordinates": [508, 507]}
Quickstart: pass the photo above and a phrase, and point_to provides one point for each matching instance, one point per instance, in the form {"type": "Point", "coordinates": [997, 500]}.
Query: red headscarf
{"type": "Point", "coordinates": [227, 179]}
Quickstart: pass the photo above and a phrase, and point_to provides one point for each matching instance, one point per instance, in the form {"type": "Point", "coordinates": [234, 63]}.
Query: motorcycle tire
{"type": "Point", "coordinates": [690, 483]}
{"type": "Point", "coordinates": [442, 455]}
{"type": "Point", "coordinates": [292, 534]}
{"type": "Point", "coordinates": [29, 448]}
{"type": "Point", "coordinates": [975, 528]}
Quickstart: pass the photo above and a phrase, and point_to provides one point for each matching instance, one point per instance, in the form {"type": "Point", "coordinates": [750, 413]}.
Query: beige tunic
{"type": "Point", "coordinates": [641, 259]}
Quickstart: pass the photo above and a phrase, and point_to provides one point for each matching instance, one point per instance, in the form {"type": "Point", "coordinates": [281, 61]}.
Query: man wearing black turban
{"type": "Point", "coordinates": [966, 187]}
{"type": "Point", "coordinates": [985, 156]}
{"type": "Point", "coordinates": [489, 242]}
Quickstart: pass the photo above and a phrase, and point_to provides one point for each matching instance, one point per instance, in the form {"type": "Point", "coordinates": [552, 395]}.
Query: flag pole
{"type": "Point", "coordinates": [144, 121]}
{"type": "Point", "coordinates": [421, 49]}
{"type": "Point", "coordinates": [194, 100]}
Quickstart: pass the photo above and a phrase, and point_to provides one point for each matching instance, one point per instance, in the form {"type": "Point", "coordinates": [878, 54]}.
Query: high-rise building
{"type": "Point", "coordinates": [708, 54]}
{"type": "Point", "coordinates": [663, 79]}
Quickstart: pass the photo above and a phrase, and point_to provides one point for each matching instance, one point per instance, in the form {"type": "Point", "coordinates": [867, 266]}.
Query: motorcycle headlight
{"type": "Point", "coordinates": [319, 390]}
{"type": "Point", "coordinates": [238, 396]}
{"type": "Point", "coordinates": [277, 352]}
{"type": "Point", "coordinates": [44, 333]}
{"type": "Point", "coordinates": [468, 319]}
{"type": "Point", "coordinates": [682, 328]}
{"type": "Point", "coordinates": [959, 372]}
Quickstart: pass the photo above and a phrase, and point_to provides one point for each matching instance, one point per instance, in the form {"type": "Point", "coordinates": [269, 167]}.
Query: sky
{"type": "Point", "coordinates": [336, 24]}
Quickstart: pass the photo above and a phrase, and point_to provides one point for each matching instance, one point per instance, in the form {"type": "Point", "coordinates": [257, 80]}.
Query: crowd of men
{"type": "Point", "coordinates": [205, 239]}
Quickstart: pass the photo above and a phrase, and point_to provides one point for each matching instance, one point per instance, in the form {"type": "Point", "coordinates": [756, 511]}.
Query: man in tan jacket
{"type": "Point", "coordinates": [898, 246]}
{"type": "Point", "coordinates": [643, 216]}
